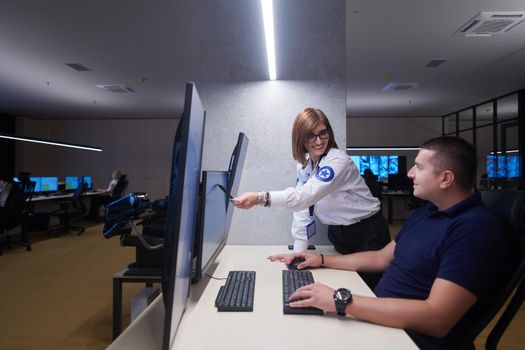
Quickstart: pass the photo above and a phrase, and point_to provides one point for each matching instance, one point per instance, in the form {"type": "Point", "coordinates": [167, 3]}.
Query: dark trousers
{"type": "Point", "coordinates": [369, 234]}
{"type": "Point", "coordinates": [96, 203]}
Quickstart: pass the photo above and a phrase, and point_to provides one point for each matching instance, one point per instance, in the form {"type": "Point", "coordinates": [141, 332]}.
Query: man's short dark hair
{"type": "Point", "coordinates": [455, 154]}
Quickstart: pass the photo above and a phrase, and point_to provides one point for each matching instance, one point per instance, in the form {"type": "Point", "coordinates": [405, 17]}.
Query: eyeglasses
{"type": "Point", "coordinates": [323, 135]}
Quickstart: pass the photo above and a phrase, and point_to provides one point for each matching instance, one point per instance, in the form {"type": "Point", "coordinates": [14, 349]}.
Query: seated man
{"type": "Point", "coordinates": [441, 268]}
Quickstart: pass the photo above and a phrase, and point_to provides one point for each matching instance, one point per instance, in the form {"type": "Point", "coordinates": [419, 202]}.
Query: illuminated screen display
{"type": "Point", "coordinates": [381, 166]}
{"type": "Point", "coordinates": [71, 182]}
{"type": "Point", "coordinates": [89, 183]}
{"type": "Point", "coordinates": [38, 183]}
{"type": "Point", "coordinates": [49, 184]}
{"type": "Point", "coordinates": [507, 166]}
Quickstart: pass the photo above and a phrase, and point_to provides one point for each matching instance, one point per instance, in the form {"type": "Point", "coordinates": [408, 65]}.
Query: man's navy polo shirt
{"type": "Point", "coordinates": [463, 244]}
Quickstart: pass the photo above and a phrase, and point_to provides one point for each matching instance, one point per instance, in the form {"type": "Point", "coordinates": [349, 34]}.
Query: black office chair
{"type": "Point", "coordinates": [509, 206]}
{"type": "Point", "coordinates": [375, 187]}
{"type": "Point", "coordinates": [120, 188]}
{"type": "Point", "coordinates": [17, 212]}
{"type": "Point", "coordinates": [70, 209]}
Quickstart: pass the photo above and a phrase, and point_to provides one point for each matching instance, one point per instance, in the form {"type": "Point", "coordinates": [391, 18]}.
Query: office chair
{"type": "Point", "coordinates": [69, 209]}
{"type": "Point", "coordinates": [509, 206]}
{"type": "Point", "coordinates": [17, 212]}
{"type": "Point", "coordinates": [120, 188]}
{"type": "Point", "coordinates": [375, 187]}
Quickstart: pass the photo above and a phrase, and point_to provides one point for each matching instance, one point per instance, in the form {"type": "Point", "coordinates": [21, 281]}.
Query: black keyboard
{"type": "Point", "coordinates": [293, 280]}
{"type": "Point", "coordinates": [237, 293]}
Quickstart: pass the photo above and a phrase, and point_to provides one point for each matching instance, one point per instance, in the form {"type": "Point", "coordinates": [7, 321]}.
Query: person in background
{"type": "Point", "coordinates": [115, 177]}
{"type": "Point", "coordinates": [5, 189]}
{"type": "Point", "coordinates": [328, 185]}
{"type": "Point", "coordinates": [443, 267]}
{"type": "Point", "coordinates": [105, 197]}
{"type": "Point", "coordinates": [373, 185]}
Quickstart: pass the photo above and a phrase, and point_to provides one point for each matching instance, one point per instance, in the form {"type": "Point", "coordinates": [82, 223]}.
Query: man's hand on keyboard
{"type": "Point", "coordinates": [310, 260]}
{"type": "Point", "coordinates": [317, 295]}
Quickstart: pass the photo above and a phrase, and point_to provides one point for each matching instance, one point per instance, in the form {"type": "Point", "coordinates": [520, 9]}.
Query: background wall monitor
{"type": "Point", "coordinates": [210, 235]}
{"type": "Point", "coordinates": [182, 207]}
{"type": "Point", "coordinates": [71, 182]}
{"type": "Point", "coordinates": [382, 166]}
{"type": "Point", "coordinates": [38, 183]}
{"type": "Point", "coordinates": [49, 184]}
{"type": "Point", "coordinates": [89, 183]}
{"type": "Point", "coordinates": [508, 166]}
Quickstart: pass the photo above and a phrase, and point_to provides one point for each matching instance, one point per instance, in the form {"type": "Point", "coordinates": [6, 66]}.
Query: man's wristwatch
{"type": "Point", "coordinates": [342, 297]}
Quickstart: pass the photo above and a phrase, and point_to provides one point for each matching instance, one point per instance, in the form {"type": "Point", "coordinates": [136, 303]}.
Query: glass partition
{"type": "Point", "coordinates": [508, 108]}
{"type": "Point", "coordinates": [484, 114]}
{"type": "Point", "coordinates": [465, 120]}
{"type": "Point", "coordinates": [450, 124]}
{"type": "Point", "coordinates": [494, 131]}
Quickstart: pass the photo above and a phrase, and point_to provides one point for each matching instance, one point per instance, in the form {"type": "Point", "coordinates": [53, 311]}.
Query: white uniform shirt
{"type": "Point", "coordinates": [340, 195]}
{"type": "Point", "coordinates": [112, 185]}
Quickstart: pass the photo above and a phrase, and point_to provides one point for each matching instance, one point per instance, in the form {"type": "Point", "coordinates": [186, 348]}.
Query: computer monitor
{"type": "Point", "coordinates": [399, 182]}
{"type": "Point", "coordinates": [182, 208]}
{"type": "Point", "coordinates": [216, 209]}
{"type": "Point", "coordinates": [38, 184]}
{"type": "Point", "coordinates": [71, 182]}
{"type": "Point", "coordinates": [234, 175]}
{"type": "Point", "coordinates": [49, 184]}
{"type": "Point", "coordinates": [210, 234]}
{"type": "Point", "coordinates": [89, 183]}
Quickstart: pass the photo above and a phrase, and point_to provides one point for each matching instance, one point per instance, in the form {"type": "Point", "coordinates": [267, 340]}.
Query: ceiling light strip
{"type": "Point", "coordinates": [508, 151]}
{"type": "Point", "coordinates": [267, 10]}
{"type": "Point", "coordinates": [383, 148]}
{"type": "Point", "coordinates": [47, 142]}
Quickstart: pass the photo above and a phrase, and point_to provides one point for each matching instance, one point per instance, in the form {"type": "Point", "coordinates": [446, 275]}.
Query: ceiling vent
{"type": "Point", "coordinates": [78, 67]}
{"type": "Point", "coordinates": [115, 88]}
{"type": "Point", "coordinates": [399, 86]}
{"type": "Point", "coordinates": [491, 23]}
{"type": "Point", "coordinates": [436, 62]}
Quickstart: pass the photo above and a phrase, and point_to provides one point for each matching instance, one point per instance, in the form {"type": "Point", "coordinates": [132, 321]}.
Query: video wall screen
{"type": "Point", "coordinates": [381, 166]}
{"type": "Point", "coordinates": [507, 166]}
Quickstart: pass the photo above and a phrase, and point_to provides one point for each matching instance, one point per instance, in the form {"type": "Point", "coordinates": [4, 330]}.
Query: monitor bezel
{"type": "Point", "coordinates": [175, 207]}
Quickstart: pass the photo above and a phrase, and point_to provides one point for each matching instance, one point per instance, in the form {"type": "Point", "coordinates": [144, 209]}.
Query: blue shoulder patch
{"type": "Point", "coordinates": [325, 174]}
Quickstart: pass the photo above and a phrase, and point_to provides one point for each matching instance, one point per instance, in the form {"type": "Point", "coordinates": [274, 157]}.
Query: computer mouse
{"type": "Point", "coordinates": [294, 263]}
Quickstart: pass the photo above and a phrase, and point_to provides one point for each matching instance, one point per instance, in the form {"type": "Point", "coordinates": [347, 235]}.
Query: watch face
{"type": "Point", "coordinates": [342, 294]}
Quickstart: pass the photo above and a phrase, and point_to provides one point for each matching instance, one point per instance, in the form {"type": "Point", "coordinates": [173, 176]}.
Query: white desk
{"type": "Point", "coordinates": [203, 327]}
{"type": "Point", "coordinates": [41, 198]}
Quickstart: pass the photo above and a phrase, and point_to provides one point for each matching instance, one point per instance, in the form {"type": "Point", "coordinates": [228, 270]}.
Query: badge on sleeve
{"type": "Point", "coordinates": [325, 174]}
{"type": "Point", "coordinates": [311, 229]}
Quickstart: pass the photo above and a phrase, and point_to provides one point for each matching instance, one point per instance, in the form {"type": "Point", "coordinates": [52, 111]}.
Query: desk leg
{"type": "Point", "coordinates": [390, 210]}
{"type": "Point", "coordinates": [117, 307]}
